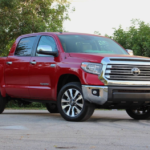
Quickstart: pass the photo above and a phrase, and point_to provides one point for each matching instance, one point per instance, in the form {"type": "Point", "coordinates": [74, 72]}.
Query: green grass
{"type": "Point", "coordinates": [33, 105]}
{"type": "Point", "coordinates": [25, 108]}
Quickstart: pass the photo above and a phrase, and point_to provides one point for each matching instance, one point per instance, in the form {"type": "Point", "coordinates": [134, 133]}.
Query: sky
{"type": "Point", "coordinates": [104, 15]}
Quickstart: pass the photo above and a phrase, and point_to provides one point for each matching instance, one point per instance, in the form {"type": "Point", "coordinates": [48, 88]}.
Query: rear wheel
{"type": "Point", "coordinates": [2, 104]}
{"type": "Point", "coordinates": [52, 108]}
{"type": "Point", "coordinates": [140, 113]}
{"type": "Point", "coordinates": [72, 105]}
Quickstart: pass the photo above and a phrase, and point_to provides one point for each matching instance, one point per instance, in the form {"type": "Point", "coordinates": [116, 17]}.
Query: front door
{"type": "Point", "coordinates": [17, 69]}
{"type": "Point", "coordinates": [42, 71]}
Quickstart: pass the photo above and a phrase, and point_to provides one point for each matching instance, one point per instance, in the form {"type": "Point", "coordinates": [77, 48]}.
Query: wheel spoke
{"type": "Point", "coordinates": [78, 110]}
{"type": "Point", "coordinates": [71, 94]}
{"type": "Point", "coordinates": [64, 106]}
{"type": "Point", "coordinates": [73, 114]}
{"type": "Point", "coordinates": [77, 92]}
{"type": "Point", "coordinates": [66, 94]}
{"type": "Point", "coordinates": [138, 112]}
{"type": "Point", "coordinates": [141, 111]}
{"type": "Point", "coordinates": [80, 105]}
{"type": "Point", "coordinates": [65, 100]}
{"type": "Point", "coordinates": [68, 112]}
{"type": "Point", "coordinates": [79, 98]}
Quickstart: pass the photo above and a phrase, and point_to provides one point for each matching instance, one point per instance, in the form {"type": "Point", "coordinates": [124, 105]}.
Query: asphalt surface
{"type": "Point", "coordinates": [40, 130]}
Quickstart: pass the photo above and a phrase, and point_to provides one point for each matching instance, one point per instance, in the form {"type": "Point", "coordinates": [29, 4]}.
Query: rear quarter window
{"type": "Point", "coordinates": [25, 46]}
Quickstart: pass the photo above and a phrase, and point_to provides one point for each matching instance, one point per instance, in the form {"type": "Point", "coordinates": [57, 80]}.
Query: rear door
{"type": "Point", "coordinates": [17, 69]}
{"type": "Point", "coordinates": [42, 71]}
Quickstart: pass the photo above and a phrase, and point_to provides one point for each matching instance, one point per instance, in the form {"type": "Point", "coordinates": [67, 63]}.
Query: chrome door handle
{"type": "Point", "coordinates": [9, 62]}
{"type": "Point", "coordinates": [53, 65]}
{"type": "Point", "coordinates": [33, 62]}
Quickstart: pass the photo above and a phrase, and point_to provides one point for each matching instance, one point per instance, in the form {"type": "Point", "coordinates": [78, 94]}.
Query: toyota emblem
{"type": "Point", "coordinates": [135, 71]}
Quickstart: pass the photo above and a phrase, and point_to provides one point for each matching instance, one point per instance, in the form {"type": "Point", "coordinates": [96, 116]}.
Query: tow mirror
{"type": "Point", "coordinates": [130, 52]}
{"type": "Point", "coordinates": [46, 50]}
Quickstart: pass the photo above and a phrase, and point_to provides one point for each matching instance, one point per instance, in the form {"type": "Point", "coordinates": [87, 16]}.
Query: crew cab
{"type": "Point", "coordinates": [75, 73]}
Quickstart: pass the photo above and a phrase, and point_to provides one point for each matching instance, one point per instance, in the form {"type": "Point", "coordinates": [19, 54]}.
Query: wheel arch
{"type": "Point", "coordinates": [66, 78]}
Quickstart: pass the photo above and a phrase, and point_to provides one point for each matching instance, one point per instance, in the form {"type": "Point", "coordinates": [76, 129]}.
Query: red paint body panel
{"type": "Point", "coordinates": [23, 80]}
{"type": "Point", "coordinates": [2, 82]}
{"type": "Point", "coordinates": [16, 76]}
{"type": "Point", "coordinates": [18, 72]}
{"type": "Point", "coordinates": [41, 73]}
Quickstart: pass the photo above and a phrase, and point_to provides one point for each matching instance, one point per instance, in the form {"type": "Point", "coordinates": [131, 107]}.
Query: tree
{"type": "Point", "coordinates": [19, 17]}
{"type": "Point", "coordinates": [137, 37]}
{"type": "Point", "coordinates": [97, 33]}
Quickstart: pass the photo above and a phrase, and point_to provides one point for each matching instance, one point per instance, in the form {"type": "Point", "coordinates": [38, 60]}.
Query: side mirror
{"type": "Point", "coordinates": [47, 50]}
{"type": "Point", "coordinates": [130, 52]}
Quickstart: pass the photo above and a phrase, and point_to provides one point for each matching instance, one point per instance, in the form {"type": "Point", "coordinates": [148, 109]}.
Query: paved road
{"type": "Point", "coordinates": [39, 130]}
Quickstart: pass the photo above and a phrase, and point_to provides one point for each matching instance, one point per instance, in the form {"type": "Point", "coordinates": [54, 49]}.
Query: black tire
{"type": "Point", "coordinates": [137, 113]}
{"type": "Point", "coordinates": [86, 108]}
{"type": "Point", "coordinates": [52, 108]}
{"type": "Point", "coordinates": [2, 104]}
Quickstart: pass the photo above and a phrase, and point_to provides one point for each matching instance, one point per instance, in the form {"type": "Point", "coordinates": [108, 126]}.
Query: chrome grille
{"type": "Point", "coordinates": [123, 72]}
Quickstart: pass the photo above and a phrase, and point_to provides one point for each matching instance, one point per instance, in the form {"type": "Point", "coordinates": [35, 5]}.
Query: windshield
{"type": "Point", "coordinates": [90, 44]}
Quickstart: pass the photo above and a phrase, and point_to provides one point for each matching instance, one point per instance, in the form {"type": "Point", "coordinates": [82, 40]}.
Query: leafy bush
{"type": "Point", "coordinates": [137, 37]}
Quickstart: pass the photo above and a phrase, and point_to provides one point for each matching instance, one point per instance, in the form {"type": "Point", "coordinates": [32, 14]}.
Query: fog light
{"type": "Point", "coordinates": [95, 92]}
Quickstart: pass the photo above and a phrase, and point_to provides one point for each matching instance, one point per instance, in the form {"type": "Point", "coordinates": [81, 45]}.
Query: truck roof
{"type": "Point", "coordinates": [57, 33]}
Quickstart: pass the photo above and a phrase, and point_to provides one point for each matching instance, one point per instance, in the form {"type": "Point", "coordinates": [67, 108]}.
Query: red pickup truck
{"type": "Point", "coordinates": [75, 73]}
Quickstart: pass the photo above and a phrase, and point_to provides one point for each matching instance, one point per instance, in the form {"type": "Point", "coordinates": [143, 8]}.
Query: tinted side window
{"type": "Point", "coordinates": [24, 47]}
{"type": "Point", "coordinates": [47, 41]}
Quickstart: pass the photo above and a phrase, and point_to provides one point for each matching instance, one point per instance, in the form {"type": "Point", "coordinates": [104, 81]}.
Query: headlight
{"type": "Point", "coordinates": [92, 67]}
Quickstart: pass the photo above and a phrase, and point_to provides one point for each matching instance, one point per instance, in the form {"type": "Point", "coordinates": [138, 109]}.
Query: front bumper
{"type": "Point", "coordinates": [102, 95]}
{"type": "Point", "coordinates": [115, 95]}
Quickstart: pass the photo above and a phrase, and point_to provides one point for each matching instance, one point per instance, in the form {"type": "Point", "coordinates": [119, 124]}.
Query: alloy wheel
{"type": "Point", "coordinates": [141, 111]}
{"type": "Point", "coordinates": [72, 102]}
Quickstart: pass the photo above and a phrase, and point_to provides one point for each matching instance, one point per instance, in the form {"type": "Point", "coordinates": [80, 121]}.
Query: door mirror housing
{"type": "Point", "coordinates": [47, 50]}
{"type": "Point", "coordinates": [130, 52]}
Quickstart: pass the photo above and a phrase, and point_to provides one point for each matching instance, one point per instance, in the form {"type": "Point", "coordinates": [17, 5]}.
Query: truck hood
{"type": "Point", "coordinates": [98, 57]}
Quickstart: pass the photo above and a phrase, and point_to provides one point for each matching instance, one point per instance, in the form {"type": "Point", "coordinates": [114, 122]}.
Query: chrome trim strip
{"type": "Point", "coordinates": [126, 66]}
{"type": "Point", "coordinates": [134, 61]}
{"type": "Point", "coordinates": [119, 72]}
{"type": "Point", "coordinates": [33, 62]}
{"type": "Point", "coordinates": [108, 71]}
{"type": "Point", "coordinates": [87, 94]}
{"type": "Point", "coordinates": [127, 83]}
{"type": "Point", "coordinates": [9, 62]}
{"type": "Point", "coordinates": [53, 65]}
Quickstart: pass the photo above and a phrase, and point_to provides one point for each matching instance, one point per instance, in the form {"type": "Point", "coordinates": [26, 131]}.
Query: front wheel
{"type": "Point", "coordinates": [140, 113]}
{"type": "Point", "coordinates": [72, 105]}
